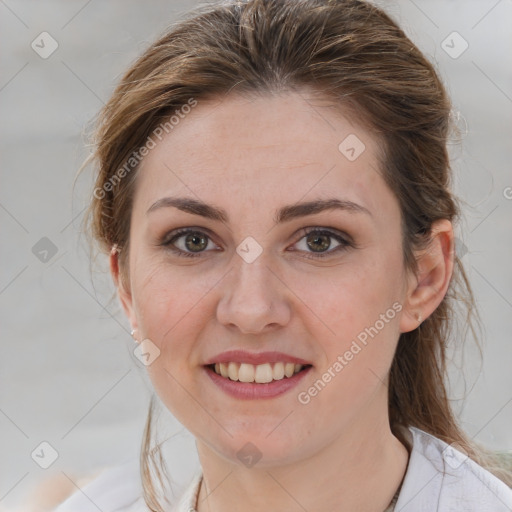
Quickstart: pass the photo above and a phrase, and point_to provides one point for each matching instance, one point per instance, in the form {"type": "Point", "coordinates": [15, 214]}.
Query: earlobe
{"type": "Point", "coordinates": [114, 265]}
{"type": "Point", "coordinates": [430, 284]}
{"type": "Point", "coordinates": [124, 294]}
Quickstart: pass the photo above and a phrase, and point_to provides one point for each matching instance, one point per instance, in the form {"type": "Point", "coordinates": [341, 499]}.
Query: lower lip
{"type": "Point", "coordinates": [251, 390]}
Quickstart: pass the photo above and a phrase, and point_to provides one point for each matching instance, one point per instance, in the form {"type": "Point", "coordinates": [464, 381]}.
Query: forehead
{"type": "Point", "coordinates": [277, 147]}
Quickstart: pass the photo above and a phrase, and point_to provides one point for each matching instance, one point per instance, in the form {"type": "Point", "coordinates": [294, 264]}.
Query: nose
{"type": "Point", "coordinates": [255, 299]}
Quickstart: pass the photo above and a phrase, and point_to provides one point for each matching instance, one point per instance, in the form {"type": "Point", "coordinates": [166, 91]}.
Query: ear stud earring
{"type": "Point", "coordinates": [418, 317]}
{"type": "Point", "coordinates": [133, 331]}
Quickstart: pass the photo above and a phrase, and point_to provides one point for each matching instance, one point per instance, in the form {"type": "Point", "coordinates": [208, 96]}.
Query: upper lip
{"type": "Point", "coordinates": [242, 356]}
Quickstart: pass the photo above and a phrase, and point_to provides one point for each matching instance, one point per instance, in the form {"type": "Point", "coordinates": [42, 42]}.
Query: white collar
{"type": "Point", "coordinates": [438, 478]}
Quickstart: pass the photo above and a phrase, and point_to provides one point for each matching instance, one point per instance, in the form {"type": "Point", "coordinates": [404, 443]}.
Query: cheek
{"type": "Point", "coordinates": [174, 305]}
{"type": "Point", "coordinates": [359, 308]}
{"type": "Point", "coordinates": [170, 312]}
{"type": "Point", "coordinates": [358, 348]}
{"type": "Point", "coordinates": [350, 296]}
{"type": "Point", "coordinates": [166, 304]}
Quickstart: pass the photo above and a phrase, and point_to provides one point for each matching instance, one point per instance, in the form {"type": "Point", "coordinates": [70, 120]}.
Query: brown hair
{"type": "Point", "coordinates": [347, 51]}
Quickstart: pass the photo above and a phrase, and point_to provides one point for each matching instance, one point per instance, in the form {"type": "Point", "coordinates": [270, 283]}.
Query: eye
{"type": "Point", "coordinates": [195, 242]}
{"type": "Point", "coordinates": [318, 240]}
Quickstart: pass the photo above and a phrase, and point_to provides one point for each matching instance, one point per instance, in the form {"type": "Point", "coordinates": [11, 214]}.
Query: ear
{"type": "Point", "coordinates": [123, 292]}
{"type": "Point", "coordinates": [428, 287]}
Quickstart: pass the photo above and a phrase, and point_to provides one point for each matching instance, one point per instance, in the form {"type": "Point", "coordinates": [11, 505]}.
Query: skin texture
{"type": "Point", "coordinates": [251, 157]}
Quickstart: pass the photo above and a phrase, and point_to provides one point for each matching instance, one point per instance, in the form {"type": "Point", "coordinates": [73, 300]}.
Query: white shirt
{"type": "Point", "coordinates": [438, 478]}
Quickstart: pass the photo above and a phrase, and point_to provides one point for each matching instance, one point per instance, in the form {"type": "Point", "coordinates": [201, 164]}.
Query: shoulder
{"type": "Point", "coordinates": [441, 476]}
{"type": "Point", "coordinates": [116, 488]}
{"type": "Point", "coordinates": [119, 489]}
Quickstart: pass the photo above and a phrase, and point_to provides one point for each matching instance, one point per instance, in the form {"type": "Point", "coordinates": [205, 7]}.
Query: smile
{"type": "Point", "coordinates": [260, 374]}
{"type": "Point", "coordinates": [262, 381]}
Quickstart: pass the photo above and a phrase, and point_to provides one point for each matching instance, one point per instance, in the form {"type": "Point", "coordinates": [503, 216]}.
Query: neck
{"type": "Point", "coordinates": [365, 456]}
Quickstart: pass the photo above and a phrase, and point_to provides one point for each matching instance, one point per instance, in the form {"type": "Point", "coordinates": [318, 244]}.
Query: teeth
{"type": "Point", "coordinates": [278, 371]}
{"type": "Point", "coordinates": [246, 373]}
{"type": "Point", "coordinates": [223, 370]}
{"type": "Point", "coordinates": [289, 369]}
{"type": "Point", "coordinates": [233, 371]}
{"type": "Point", "coordinates": [261, 373]}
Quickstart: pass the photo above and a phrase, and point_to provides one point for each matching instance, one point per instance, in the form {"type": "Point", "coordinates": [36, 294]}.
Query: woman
{"type": "Point", "coordinates": [273, 191]}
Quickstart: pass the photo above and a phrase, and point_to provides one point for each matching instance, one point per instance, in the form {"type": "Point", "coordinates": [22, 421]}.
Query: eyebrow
{"type": "Point", "coordinates": [284, 214]}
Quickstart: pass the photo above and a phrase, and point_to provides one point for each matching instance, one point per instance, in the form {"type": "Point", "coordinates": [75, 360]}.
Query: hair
{"type": "Point", "coordinates": [352, 53]}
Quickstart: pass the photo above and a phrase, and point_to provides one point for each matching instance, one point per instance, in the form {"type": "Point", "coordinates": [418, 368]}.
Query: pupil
{"type": "Point", "coordinates": [195, 238]}
{"type": "Point", "coordinates": [325, 239]}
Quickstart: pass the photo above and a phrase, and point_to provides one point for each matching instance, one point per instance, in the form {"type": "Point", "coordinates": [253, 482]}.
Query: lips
{"type": "Point", "coordinates": [255, 390]}
{"type": "Point", "coordinates": [255, 358]}
{"type": "Point", "coordinates": [260, 368]}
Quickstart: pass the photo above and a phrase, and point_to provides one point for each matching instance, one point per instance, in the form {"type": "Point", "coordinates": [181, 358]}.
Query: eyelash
{"type": "Point", "coordinates": [344, 243]}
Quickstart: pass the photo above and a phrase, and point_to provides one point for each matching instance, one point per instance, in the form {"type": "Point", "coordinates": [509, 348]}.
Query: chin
{"type": "Point", "coordinates": [254, 447]}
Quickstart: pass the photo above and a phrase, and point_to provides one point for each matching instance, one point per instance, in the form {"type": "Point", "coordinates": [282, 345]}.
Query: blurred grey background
{"type": "Point", "coordinates": [68, 375]}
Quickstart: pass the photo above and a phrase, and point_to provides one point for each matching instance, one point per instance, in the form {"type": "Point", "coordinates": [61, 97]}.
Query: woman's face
{"type": "Point", "coordinates": [260, 284]}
